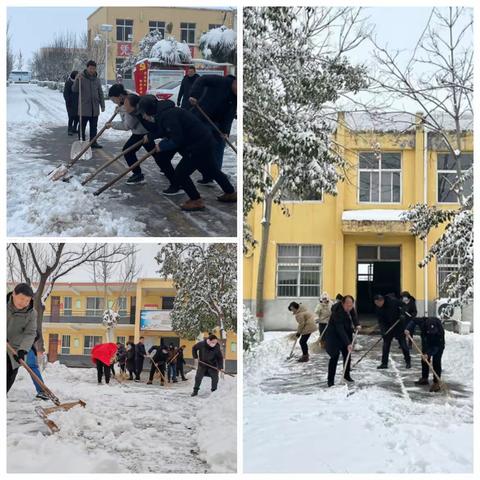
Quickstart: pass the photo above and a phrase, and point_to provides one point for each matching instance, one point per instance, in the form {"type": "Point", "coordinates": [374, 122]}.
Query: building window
{"type": "Point", "coordinates": [155, 25]}
{"type": "Point", "coordinates": [125, 73]}
{"type": "Point", "coordinates": [378, 252]}
{"type": "Point", "coordinates": [67, 306]}
{"type": "Point", "coordinates": [307, 196]}
{"type": "Point", "coordinates": [89, 341]}
{"type": "Point", "coordinates": [124, 30]}
{"type": "Point", "coordinates": [447, 176]}
{"type": "Point", "coordinates": [445, 267]}
{"type": "Point", "coordinates": [233, 347]}
{"type": "Point", "coordinates": [211, 26]}
{"type": "Point", "coordinates": [121, 340]}
{"type": "Point", "coordinates": [379, 177]}
{"type": "Point", "coordinates": [187, 33]}
{"type": "Point", "coordinates": [122, 306]}
{"type": "Point", "coordinates": [65, 345]}
{"type": "Point", "coordinates": [299, 270]}
{"type": "Point", "coordinates": [95, 306]}
{"type": "Point", "coordinates": [167, 303]}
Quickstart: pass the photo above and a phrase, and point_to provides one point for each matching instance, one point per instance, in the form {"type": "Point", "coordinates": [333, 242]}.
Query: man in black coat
{"type": "Point", "coordinates": [410, 309]}
{"type": "Point", "coordinates": [181, 362]}
{"type": "Point", "coordinates": [140, 354]}
{"type": "Point", "coordinates": [433, 344]}
{"type": "Point", "coordinates": [339, 335]}
{"type": "Point", "coordinates": [131, 359]}
{"type": "Point", "coordinates": [390, 318]}
{"type": "Point", "coordinates": [217, 97]}
{"type": "Point", "coordinates": [160, 359]}
{"type": "Point", "coordinates": [71, 102]}
{"type": "Point", "coordinates": [182, 132]}
{"type": "Point", "coordinates": [210, 362]}
{"type": "Point", "coordinates": [186, 86]}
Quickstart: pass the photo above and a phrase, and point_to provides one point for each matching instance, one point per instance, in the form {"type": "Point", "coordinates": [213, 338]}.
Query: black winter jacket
{"type": "Point", "coordinates": [339, 331]}
{"type": "Point", "coordinates": [184, 92]}
{"type": "Point", "coordinates": [160, 357]}
{"type": "Point", "coordinates": [71, 98]}
{"type": "Point", "coordinates": [211, 356]}
{"type": "Point", "coordinates": [431, 331]}
{"type": "Point", "coordinates": [387, 315]}
{"type": "Point", "coordinates": [140, 351]}
{"type": "Point", "coordinates": [216, 98]}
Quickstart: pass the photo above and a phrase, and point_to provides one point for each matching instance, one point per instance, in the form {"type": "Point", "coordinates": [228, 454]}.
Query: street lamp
{"type": "Point", "coordinates": [105, 27]}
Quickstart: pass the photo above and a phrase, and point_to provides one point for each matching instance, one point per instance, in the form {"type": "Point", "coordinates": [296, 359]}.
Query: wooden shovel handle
{"type": "Point", "coordinates": [215, 368]}
{"type": "Point", "coordinates": [202, 111]}
{"type": "Point", "coordinates": [50, 394]}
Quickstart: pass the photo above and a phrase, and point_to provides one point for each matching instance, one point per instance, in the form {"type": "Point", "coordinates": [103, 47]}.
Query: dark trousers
{"type": "Point", "coordinates": [153, 371]}
{"type": "Point", "coordinates": [387, 341]}
{"type": "Point", "coordinates": [332, 364]}
{"type": "Point", "coordinates": [11, 374]}
{"type": "Point", "coordinates": [164, 162]}
{"type": "Point", "coordinates": [200, 159]}
{"type": "Point", "coordinates": [303, 343]}
{"type": "Point", "coordinates": [122, 367]}
{"type": "Point", "coordinates": [218, 150]}
{"type": "Point", "coordinates": [321, 328]}
{"type": "Point", "coordinates": [93, 123]}
{"type": "Point", "coordinates": [131, 368]}
{"type": "Point", "coordinates": [180, 370]}
{"type": "Point", "coordinates": [138, 368]}
{"type": "Point", "coordinates": [72, 122]}
{"type": "Point", "coordinates": [102, 369]}
{"type": "Point", "coordinates": [206, 372]}
{"type": "Point", "coordinates": [436, 361]}
{"type": "Point", "coordinates": [112, 369]}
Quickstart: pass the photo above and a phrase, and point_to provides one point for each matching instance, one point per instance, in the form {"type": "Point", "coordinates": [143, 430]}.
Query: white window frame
{"type": "Point", "coordinates": [442, 265]}
{"type": "Point", "coordinates": [299, 264]}
{"type": "Point", "coordinates": [96, 311]}
{"type": "Point", "coordinates": [379, 171]}
{"type": "Point", "coordinates": [188, 29]}
{"type": "Point", "coordinates": [160, 29]}
{"type": "Point", "coordinates": [88, 350]}
{"type": "Point", "coordinates": [65, 309]}
{"type": "Point", "coordinates": [124, 311]}
{"type": "Point", "coordinates": [67, 352]}
{"type": "Point", "coordinates": [124, 27]}
{"type": "Point", "coordinates": [448, 171]}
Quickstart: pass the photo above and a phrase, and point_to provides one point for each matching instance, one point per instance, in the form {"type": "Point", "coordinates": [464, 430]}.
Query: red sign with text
{"type": "Point", "coordinates": [124, 49]}
{"type": "Point", "coordinates": [141, 77]}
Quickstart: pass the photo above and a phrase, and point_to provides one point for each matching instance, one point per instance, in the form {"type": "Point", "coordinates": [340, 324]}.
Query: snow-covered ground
{"type": "Point", "coordinates": [37, 206]}
{"type": "Point", "coordinates": [293, 423]}
{"type": "Point", "coordinates": [128, 427]}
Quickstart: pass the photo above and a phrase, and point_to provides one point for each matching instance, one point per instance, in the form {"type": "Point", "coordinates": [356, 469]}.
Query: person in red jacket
{"type": "Point", "coordinates": [102, 356]}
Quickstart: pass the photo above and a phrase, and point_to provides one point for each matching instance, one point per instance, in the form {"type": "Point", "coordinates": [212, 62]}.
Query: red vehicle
{"type": "Point", "coordinates": [154, 77]}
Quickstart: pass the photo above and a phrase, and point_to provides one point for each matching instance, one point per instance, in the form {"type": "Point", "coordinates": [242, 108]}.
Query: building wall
{"type": "Point", "coordinates": [141, 17]}
{"type": "Point", "coordinates": [320, 223]}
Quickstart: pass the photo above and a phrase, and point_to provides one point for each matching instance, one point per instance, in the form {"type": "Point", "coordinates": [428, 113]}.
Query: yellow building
{"type": "Point", "coordinates": [72, 322]}
{"type": "Point", "coordinates": [131, 24]}
{"type": "Point", "coordinates": [354, 243]}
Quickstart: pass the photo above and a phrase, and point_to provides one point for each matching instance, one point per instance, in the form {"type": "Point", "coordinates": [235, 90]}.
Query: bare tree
{"type": "Point", "coordinates": [9, 52]}
{"type": "Point", "coordinates": [19, 60]}
{"type": "Point", "coordinates": [42, 265]}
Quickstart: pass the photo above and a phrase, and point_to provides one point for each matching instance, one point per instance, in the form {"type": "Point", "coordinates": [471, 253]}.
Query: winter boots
{"type": "Point", "coordinates": [193, 205]}
{"type": "Point", "coordinates": [195, 392]}
{"type": "Point", "coordinates": [422, 381]}
{"type": "Point", "coordinates": [303, 358]}
{"type": "Point", "coordinates": [408, 364]}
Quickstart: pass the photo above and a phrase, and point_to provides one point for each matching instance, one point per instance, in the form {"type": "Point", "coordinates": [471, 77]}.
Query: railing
{"type": "Point", "coordinates": [86, 316]}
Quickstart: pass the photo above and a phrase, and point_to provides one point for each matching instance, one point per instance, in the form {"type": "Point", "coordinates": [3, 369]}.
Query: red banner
{"type": "Point", "coordinates": [141, 77]}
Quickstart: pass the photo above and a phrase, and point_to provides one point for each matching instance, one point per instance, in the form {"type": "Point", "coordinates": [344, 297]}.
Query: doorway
{"type": "Point", "coordinates": [52, 347]}
{"type": "Point", "coordinates": [378, 272]}
{"type": "Point", "coordinates": [55, 309]}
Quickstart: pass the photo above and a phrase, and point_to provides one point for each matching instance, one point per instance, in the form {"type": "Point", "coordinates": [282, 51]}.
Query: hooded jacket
{"type": "Point", "coordinates": [92, 94]}
{"type": "Point", "coordinates": [305, 320]}
{"type": "Point", "coordinates": [21, 327]}
{"type": "Point", "coordinates": [323, 311]}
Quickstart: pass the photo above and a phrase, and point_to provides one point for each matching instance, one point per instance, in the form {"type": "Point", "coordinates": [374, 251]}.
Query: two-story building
{"type": "Point", "coordinates": [131, 24]}
{"type": "Point", "coordinates": [72, 323]}
{"type": "Point", "coordinates": [355, 242]}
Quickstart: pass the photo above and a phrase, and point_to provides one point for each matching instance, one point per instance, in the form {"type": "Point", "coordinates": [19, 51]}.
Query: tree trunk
{"type": "Point", "coordinates": [40, 309]}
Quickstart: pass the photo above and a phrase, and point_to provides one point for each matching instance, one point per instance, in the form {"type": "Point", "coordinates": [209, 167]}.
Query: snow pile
{"type": "Point", "coordinates": [217, 427]}
{"type": "Point", "coordinates": [171, 52]}
{"type": "Point", "coordinates": [373, 215]}
{"type": "Point", "coordinates": [387, 426]}
{"type": "Point", "coordinates": [219, 44]}
{"type": "Point", "coordinates": [125, 427]}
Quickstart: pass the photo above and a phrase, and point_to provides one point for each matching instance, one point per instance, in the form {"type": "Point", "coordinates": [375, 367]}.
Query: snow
{"type": "Point", "coordinates": [125, 427]}
{"type": "Point", "coordinates": [171, 52]}
{"type": "Point", "coordinates": [293, 423]}
{"type": "Point", "coordinates": [35, 204]}
{"type": "Point", "coordinates": [386, 215]}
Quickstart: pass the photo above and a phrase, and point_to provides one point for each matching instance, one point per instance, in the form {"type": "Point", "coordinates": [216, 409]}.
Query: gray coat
{"type": "Point", "coordinates": [129, 122]}
{"type": "Point", "coordinates": [21, 327]}
{"type": "Point", "coordinates": [92, 94]}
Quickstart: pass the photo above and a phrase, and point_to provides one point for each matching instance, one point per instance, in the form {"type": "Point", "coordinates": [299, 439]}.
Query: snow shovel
{"type": "Point", "coordinates": [109, 162]}
{"type": "Point", "coordinates": [215, 368]}
{"type": "Point", "coordinates": [443, 385]}
{"type": "Point", "coordinates": [317, 346]}
{"type": "Point", "coordinates": [375, 344]}
{"type": "Point", "coordinates": [210, 121]}
{"type": "Point", "coordinates": [162, 376]}
{"type": "Point", "coordinates": [293, 348]}
{"type": "Point", "coordinates": [44, 412]}
{"type": "Point", "coordinates": [121, 175]}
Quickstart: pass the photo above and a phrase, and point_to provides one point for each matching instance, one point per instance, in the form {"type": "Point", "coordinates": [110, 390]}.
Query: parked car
{"type": "Point", "coordinates": [167, 91]}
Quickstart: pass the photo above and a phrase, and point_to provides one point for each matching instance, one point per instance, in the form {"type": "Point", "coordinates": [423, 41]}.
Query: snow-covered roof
{"type": "Point", "coordinates": [386, 215]}
{"type": "Point", "coordinates": [399, 121]}
{"type": "Point", "coordinates": [194, 61]}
